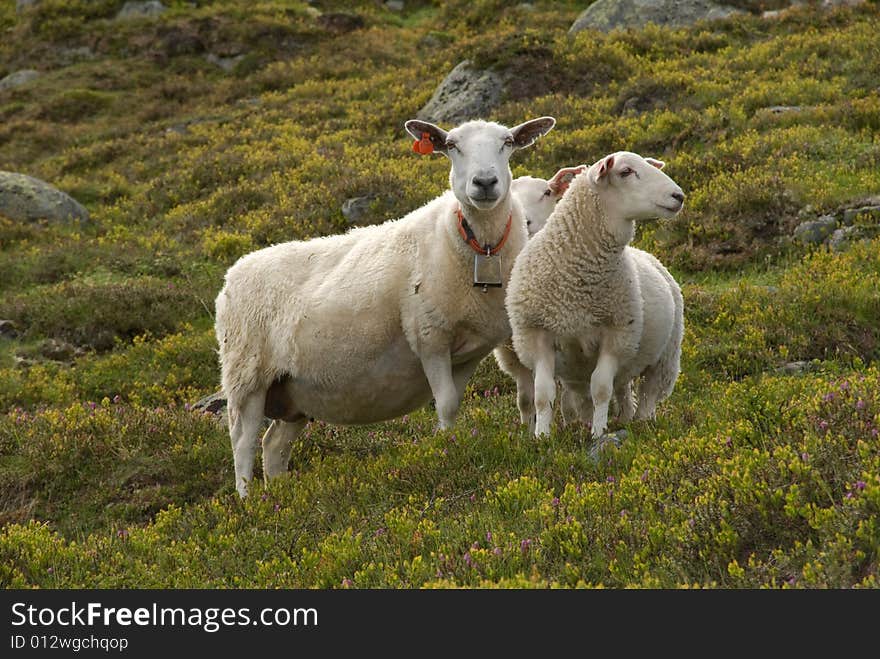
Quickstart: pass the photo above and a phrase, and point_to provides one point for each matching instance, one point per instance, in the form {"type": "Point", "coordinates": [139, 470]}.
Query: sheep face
{"type": "Point", "coordinates": [538, 197]}
{"type": "Point", "coordinates": [634, 188]}
{"type": "Point", "coordinates": [480, 151]}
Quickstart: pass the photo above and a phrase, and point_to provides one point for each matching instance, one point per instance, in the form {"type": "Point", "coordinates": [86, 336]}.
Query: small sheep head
{"type": "Point", "coordinates": [538, 197]}
{"type": "Point", "coordinates": [635, 188]}
{"type": "Point", "coordinates": [480, 152]}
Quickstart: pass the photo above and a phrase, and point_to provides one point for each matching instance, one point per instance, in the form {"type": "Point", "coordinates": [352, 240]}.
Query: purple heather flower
{"type": "Point", "coordinates": [277, 507]}
{"type": "Point", "coordinates": [828, 397]}
{"type": "Point", "coordinates": [122, 533]}
{"type": "Point", "coordinates": [610, 479]}
{"type": "Point", "coordinates": [117, 399]}
{"type": "Point", "coordinates": [473, 432]}
{"type": "Point", "coordinates": [469, 560]}
{"type": "Point", "coordinates": [874, 432]}
{"type": "Point", "coordinates": [497, 551]}
{"type": "Point", "coordinates": [623, 513]}
{"type": "Point", "coordinates": [51, 570]}
{"type": "Point", "coordinates": [488, 536]}
{"type": "Point", "coordinates": [347, 583]}
{"type": "Point", "coordinates": [264, 496]}
{"type": "Point", "coordinates": [644, 476]}
{"type": "Point", "coordinates": [860, 485]}
{"type": "Point", "coordinates": [487, 393]}
{"type": "Point", "coordinates": [555, 502]}
{"type": "Point", "coordinates": [473, 497]}
{"type": "Point", "coordinates": [92, 405]}
{"type": "Point", "coordinates": [849, 495]}
{"type": "Point", "coordinates": [860, 404]}
{"type": "Point", "coordinates": [525, 544]}
{"type": "Point", "coordinates": [844, 385]}
{"type": "Point", "coordinates": [379, 531]}
{"type": "Point", "coordinates": [823, 425]}
{"type": "Point", "coordinates": [405, 418]}
{"type": "Point", "coordinates": [805, 456]}
{"type": "Point", "coordinates": [496, 390]}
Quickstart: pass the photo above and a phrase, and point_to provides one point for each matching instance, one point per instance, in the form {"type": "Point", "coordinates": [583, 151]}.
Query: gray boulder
{"type": "Point", "coordinates": [228, 64]}
{"type": "Point", "coordinates": [466, 93]}
{"type": "Point", "coordinates": [814, 232]}
{"type": "Point", "coordinates": [18, 78]}
{"type": "Point", "coordinates": [607, 15]}
{"type": "Point", "coordinates": [27, 199]}
{"type": "Point", "coordinates": [795, 368]}
{"type": "Point", "coordinates": [148, 9]}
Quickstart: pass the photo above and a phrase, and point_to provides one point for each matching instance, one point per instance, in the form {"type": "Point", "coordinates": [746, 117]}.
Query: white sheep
{"type": "Point", "coordinates": [368, 325]}
{"type": "Point", "coordinates": [610, 311]}
{"type": "Point", "coordinates": [538, 198]}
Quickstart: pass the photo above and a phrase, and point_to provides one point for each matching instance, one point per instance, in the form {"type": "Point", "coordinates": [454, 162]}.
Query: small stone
{"type": "Point", "coordinates": [7, 329]}
{"type": "Point", "coordinates": [213, 404]}
{"type": "Point", "coordinates": [148, 9]}
{"type": "Point", "coordinates": [814, 232]}
{"type": "Point", "coordinates": [607, 15]}
{"type": "Point", "coordinates": [357, 208]}
{"type": "Point", "coordinates": [782, 109]}
{"type": "Point", "coordinates": [793, 368]}
{"type": "Point", "coordinates": [394, 5]}
{"type": "Point", "coordinates": [23, 5]}
{"type": "Point", "coordinates": [850, 214]}
{"type": "Point", "coordinates": [841, 238]}
{"type": "Point", "coordinates": [18, 78]}
{"type": "Point", "coordinates": [608, 439]}
{"type": "Point", "coordinates": [59, 351]}
{"type": "Point", "coordinates": [228, 64]}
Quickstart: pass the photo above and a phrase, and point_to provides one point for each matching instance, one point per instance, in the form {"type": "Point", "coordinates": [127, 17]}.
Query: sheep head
{"type": "Point", "coordinates": [480, 153]}
{"type": "Point", "coordinates": [634, 188]}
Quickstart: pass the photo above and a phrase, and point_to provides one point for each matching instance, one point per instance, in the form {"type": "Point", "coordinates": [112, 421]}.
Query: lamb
{"type": "Point", "coordinates": [369, 325]}
{"type": "Point", "coordinates": [538, 198]}
{"type": "Point", "coordinates": [608, 309]}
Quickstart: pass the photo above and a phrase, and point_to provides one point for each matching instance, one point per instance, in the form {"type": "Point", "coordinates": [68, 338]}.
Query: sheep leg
{"type": "Point", "coordinates": [277, 444]}
{"type": "Point", "coordinates": [601, 387]}
{"type": "Point", "coordinates": [545, 382]}
{"type": "Point", "coordinates": [525, 383]}
{"type": "Point", "coordinates": [438, 370]}
{"type": "Point", "coordinates": [461, 373]}
{"type": "Point", "coordinates": [624, 395]}
{"type": "Point", "coordinates": [649, 392]}
{"type": "Point", "coordinates": [245, 418]}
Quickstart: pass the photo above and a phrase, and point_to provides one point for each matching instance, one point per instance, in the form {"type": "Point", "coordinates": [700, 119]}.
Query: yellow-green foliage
{"type": "Point", "coordinates": [749, 477]}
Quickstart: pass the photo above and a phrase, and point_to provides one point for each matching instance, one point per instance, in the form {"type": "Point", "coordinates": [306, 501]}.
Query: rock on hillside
{"type": "Point", "coordinates": [18, 78]}
{"type": "Point", "coordinates": [606, 15]}
{"type": "Point", "coordinates": [27, 199]}
{"type": "Point", "coordinates": [466, 93]}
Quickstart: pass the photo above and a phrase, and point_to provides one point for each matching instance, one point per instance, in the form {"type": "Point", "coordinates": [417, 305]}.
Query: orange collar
{"type": "Point", "coordinates": [468, 236]}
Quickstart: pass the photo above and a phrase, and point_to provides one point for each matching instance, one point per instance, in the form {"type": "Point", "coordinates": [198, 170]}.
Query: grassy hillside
{"type": "Point", "coordinates": [752, 475]}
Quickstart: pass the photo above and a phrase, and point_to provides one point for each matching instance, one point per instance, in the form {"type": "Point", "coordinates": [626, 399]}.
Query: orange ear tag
{"type": "Point", "coordinates": [423, 146]}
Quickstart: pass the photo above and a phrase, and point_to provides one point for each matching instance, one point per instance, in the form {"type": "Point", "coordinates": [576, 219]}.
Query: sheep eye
{"type": "Point", "coordinates": [508, 141]}
{"type": "Point", "coordinates": [547, 193]}
{"type": "Point", "coordinates": [528, 223]}
{"type": "Point", "coordinates": [451, 145]}
{"type": "Point", "coordinates": [626, 171]}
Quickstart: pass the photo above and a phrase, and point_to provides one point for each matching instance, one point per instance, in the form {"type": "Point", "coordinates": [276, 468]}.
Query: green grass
{"type": "Point", "coordinates": [748, 477]}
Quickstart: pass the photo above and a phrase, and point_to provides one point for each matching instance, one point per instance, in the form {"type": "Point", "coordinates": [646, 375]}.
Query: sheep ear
{"type": "Point", "coordinates": [659, 164]}
{"type": "Point", "coordinates": [561, 179]}
{"type": "Point", "coordinates": [605, 167]}
{"type": "Point", "coordinates": [527, 133]}
{"type": "Point", "coordinates": [437, 135]}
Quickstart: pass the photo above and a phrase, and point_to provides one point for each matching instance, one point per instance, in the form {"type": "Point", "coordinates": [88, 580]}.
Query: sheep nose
{"type": "Point", "coordinates": [678, 196]}
{"type": "Point", "coordinates": [485, 182]}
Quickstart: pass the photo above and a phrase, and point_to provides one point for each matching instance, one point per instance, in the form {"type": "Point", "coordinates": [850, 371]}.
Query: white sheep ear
{"type": "Point", "coordinates": [561, 179]}
{"type": "Point", "coordinates": [527, 133]}
{"type": "Point", "coordinates": [659, 164]}
{"type": "Point", "coordinates": [437, 135]}
{"type": "Point", "coordinates": [604, 167]}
